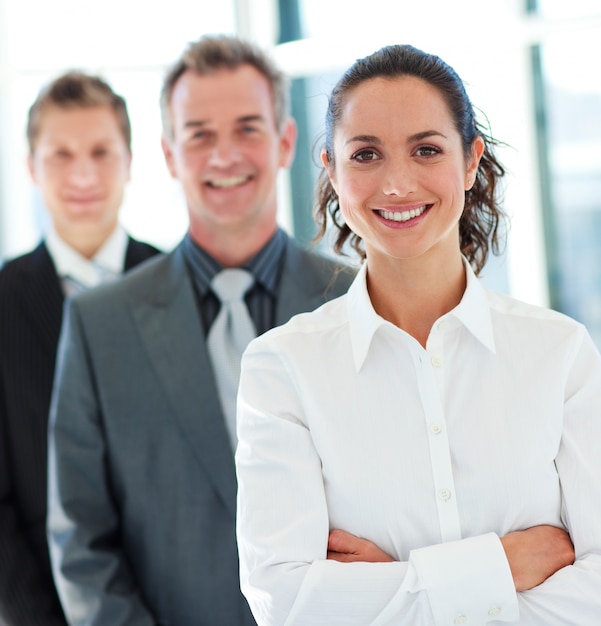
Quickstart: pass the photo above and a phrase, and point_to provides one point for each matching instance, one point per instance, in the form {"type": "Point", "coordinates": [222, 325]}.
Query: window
{"type": "Point", "coordinates": [568, 101]}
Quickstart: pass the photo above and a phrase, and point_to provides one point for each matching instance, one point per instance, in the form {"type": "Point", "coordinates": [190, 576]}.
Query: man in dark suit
{"type": "Point", "coordinates": [79, 142]}
{"type": "Point", "coordinates": [142, 490]}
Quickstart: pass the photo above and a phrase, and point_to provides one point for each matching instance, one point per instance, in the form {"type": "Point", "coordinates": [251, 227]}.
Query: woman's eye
{"type": "Point", "coordinates": [364, 155]}
{"type": "Point", "coordinates": [427, 151]}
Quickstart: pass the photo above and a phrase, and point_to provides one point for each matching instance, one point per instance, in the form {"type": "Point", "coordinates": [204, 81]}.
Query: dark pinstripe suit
{"type": "Point", "coordinates": [31, 304]}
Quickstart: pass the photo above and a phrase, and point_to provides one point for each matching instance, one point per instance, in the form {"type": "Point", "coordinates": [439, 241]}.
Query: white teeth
{"type": "Point", "coordinates": [402, 216]}
{"type": "Point", "coordinates": [226, 183]}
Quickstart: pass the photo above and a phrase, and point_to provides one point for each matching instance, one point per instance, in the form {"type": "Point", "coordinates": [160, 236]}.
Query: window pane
{"type": "Point", "coordinates": [112, 33]}
{"type": "Point", "coordinates": [573, 126]}
{"type": "Point", "coordinates": [556, 9]}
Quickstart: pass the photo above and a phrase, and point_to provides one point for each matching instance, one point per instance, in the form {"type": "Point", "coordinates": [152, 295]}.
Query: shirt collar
{"type": "Point", "coordinates": [264, 266]}
{"type": "Point", "coordinates": [109, 260]}
{"type": "Point", "coordinates": [473, 312]}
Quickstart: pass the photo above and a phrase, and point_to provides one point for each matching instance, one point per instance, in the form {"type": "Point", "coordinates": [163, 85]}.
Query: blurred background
{"type": "Point", "coordinates": [530, 66]}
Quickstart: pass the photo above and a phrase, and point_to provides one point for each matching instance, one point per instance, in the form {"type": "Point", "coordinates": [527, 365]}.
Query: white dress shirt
{"type": "Point", "coordinates": [346, 421]}
{"type": "Point", "coordinates": [76, 272]}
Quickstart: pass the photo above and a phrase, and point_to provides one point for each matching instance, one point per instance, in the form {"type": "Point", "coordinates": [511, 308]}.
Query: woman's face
{"type": "Point", "coordinates": [399, 168]}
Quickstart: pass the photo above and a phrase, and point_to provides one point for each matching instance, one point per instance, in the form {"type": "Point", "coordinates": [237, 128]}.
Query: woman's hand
{"type": "Point", "coordinates": [347, 548]}
{"type": "Point", "coordinates": [533, 554]}
{"type": "Point", "coordinates": [536, 553]}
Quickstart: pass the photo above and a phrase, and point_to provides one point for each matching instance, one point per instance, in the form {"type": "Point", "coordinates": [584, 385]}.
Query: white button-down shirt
{"type": "Point", "coordinates": [346, 421]}
{"type": "Point", "coordinates": [76, 272]}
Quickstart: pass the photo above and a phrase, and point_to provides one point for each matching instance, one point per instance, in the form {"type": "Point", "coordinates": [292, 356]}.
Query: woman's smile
{"type": "Point", "coordinates": [402, 215]}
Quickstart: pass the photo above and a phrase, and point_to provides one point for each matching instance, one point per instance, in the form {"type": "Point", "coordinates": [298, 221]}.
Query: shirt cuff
{"type": "Point", "coordinates": [466, 582]}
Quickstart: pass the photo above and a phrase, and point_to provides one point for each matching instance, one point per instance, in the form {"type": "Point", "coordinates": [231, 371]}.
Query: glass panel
{"type": "Point", "coordinates": [112, 33]}
{"type": "Point", "coordinates": [572, 91]}
{"type": "Point", "coordinates": [558, 9]}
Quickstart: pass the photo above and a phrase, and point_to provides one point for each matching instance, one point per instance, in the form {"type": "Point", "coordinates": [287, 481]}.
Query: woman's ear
{"type": "Point", "coordinates": [325, 161]}
{"type": "Point", "coordinates": [473, 162]}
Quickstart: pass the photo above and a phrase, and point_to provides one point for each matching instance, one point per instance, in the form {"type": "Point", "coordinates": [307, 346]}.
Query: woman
{"type": "Point", "coordinates": [413, 452]}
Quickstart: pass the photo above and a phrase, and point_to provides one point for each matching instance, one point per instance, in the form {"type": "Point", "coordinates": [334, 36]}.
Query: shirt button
{"type": "Point", "coordinates": [436, 361]}
{"type": "Point", "coordinates": [460, 619]}
{"type": "Point", "coordinates": [444, 495]}
{"type": "Point", "coordinates": [494, 611]}
{"type": "Point", "coordinates": [435, 429]}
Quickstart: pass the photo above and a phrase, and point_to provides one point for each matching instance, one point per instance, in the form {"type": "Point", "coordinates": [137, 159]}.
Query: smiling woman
{"type": "Point", "coordinates": [421, 450]}
{"type": "Point", "coordinates": [409, 166]}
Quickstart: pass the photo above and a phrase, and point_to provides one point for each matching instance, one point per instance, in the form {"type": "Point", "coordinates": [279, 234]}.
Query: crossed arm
{"type": "Point", "coordinates": [282, 547]}
{"type": "Point", "coordinates": [533, 554]}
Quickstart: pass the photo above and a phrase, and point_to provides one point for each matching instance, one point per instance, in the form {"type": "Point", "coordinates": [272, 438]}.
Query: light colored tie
{"type": "Point", "coordinates": [72, 286]}
{"type": "Point", "coordinates": [228, 337]}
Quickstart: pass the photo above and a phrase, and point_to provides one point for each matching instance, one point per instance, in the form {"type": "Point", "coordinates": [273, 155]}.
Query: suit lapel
{"type": "Point", "coordinates": [42, 299]}
{"type": "Point", "coordinates": [301, 288]}
{"type": "Point", "coordinates": [137, 251]}
{"type": "Point", "coordinates": [171, 332]}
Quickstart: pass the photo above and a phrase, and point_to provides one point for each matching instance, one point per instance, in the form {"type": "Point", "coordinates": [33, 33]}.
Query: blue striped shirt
{"type": "Point", "coordinates": [261, 298]}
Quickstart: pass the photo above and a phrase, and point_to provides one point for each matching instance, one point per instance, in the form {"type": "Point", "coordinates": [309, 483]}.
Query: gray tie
{"type": "Point", "coordinates": [228, 337]}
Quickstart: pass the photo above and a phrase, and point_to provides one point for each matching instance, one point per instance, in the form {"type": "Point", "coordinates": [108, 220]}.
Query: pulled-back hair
{"type": "Point", "coordinates": [482, 218]}
{"type": "Point", "coordinates": [75, 90]}
{"type": "Point", "coordinates": [216, 52]}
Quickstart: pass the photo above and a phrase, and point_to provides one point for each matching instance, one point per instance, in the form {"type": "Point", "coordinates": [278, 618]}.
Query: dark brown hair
{"type": "Point", "coordinates": [74, 90]}
{"type": "Point", "coordinates": [480, 226]}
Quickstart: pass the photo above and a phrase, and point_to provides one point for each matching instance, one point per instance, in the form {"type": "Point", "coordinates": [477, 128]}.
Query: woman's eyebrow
{"type": "Point", "coordinates": [415, 137]}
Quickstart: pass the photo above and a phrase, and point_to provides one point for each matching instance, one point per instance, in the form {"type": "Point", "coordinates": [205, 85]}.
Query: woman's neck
{"type": "Point", "coordinates": [414, 293]}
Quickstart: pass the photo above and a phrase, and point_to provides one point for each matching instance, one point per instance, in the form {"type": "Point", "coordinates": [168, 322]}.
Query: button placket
{"type": "Point", "coordinates": [430, 382]}
{"type": "Point", "coordinates": [436, 428]}
{"type": "Point", "coordinates": [436, 360]}
{"type": "Point", "coordinates": [444, 494]}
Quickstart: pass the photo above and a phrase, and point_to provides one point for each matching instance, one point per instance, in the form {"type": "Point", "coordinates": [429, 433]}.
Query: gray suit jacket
{"type": "Point", "coordinates": [142, 486]}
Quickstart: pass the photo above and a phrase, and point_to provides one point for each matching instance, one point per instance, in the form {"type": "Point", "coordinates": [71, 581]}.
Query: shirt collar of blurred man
{"type": "Point", "coordinates": [77, 271]}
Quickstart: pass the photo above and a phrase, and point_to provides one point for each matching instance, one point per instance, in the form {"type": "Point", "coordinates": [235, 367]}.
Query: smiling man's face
{"type": "Point", "coordinates": [81, 164]}
{"type": "Point", "coordinates": [226, 151]}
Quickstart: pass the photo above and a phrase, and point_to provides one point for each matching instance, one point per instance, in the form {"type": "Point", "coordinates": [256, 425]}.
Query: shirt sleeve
{"type": "Point", "coordinates": [92, 576]}
{"type": "Point", "coordinates": [573, 594]}
{"type": "Point", "coordinates": [283, 531]}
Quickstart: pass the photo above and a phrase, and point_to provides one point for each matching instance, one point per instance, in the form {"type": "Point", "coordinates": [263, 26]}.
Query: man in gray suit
{"type": "Point", "coordinates": [142, 485]}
